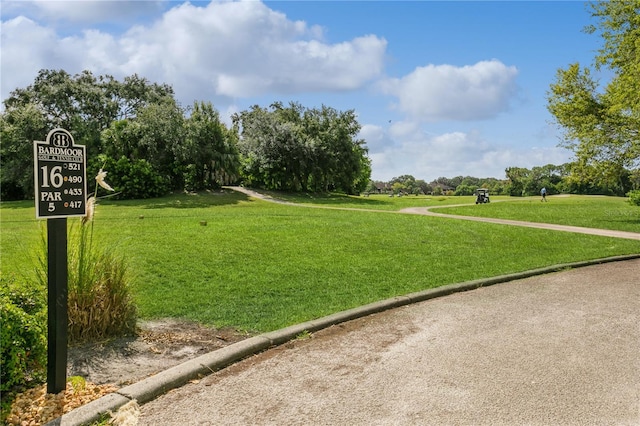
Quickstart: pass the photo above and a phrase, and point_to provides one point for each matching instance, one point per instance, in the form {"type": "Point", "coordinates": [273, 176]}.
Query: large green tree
{"type": "Point", "coordinates": [406, 184]}
{"type": "Point", "coordinates": [272, 149]}
{"type": "Point", "coordinates": [18, 130]}
{"type": "Point", "coordinates": [518, 178]}
{"type": "Point", "coordinates": [145, 147]}
{"type": "Point", "coordinates": [601, 123]}
{"type": "Point", "coordinates": [295, 148]}
{"type": "Point", "coordinates": [340, 160]}
{"type": "Point", "coordinates": [209, 152]}
{"type": "Point", "coordinates": [84, 104]}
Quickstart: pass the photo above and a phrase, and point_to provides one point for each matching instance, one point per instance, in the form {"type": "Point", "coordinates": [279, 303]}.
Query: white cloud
{"type": "Point", "coordinates": [223, 49]}
{"type": "Point", "coordinates": [83, 11]}
{"type": "Point", "coordinates": [444, 92]}
{"type": "Point", "coordinates": [376, 138]}
{"type": "Point", "coordinates": [403, 129]}
{"type": "Point", "coordinates": [451, 154]}
{"type": "Point", "coordinates": [25, 50]}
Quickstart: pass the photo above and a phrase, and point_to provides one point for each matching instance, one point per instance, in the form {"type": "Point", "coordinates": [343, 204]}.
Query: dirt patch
{"type": "Point", "coordinates": [107, 366]}
{"type": "Point", "coordinates": [159, 344]}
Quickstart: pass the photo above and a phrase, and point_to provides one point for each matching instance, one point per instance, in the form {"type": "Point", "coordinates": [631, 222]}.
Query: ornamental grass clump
{"type": "Point", "coordinates": [100, 304]}
{"type": "Point", "coordinates": [99, 298]}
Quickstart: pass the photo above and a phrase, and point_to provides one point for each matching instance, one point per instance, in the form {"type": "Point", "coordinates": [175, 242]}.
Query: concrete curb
{"type": "Point", "coordinates": [152, 387]}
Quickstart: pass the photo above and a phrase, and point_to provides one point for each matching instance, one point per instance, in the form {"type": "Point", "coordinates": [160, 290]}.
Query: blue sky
{"type": "Point", "coordinates": [440, 88]}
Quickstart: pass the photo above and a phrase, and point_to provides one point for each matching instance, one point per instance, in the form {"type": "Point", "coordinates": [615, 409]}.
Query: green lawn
{"type": "Point", "coordinates": [588, 211]}
{"type": "Point", "coordinates": [375, 202]}
{"type": "Point", "coordinates": [260, 266]}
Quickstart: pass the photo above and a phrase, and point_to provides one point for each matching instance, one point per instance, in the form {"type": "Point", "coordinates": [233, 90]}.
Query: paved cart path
{"type": "Point", "coordinates": [565, 228]}
{"type": "Point", "coordinates": [555, 349]}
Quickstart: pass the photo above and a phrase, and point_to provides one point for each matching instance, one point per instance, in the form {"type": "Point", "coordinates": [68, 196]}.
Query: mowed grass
{"type": "Point", "coordinates": [578, 210]}
{"type": "Point", "coordinates": [588, 211]}
{"type": "Point", "coordinates": [373, 202]}
{"type": "Point", "coordinates": [259, 266]}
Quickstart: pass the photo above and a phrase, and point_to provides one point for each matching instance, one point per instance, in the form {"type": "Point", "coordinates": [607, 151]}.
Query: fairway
{"type": "Point", "coordinates": [575, 210]}
{"type": "Point", "coordinates": [226, 259]}
{"type": "Point", "coordinates": [591, 211]}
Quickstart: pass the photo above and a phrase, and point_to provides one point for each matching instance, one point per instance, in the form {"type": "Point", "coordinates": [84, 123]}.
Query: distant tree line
{"type": "Point", "coordinates": [459, 185]}
{"type": "Point", "coordinates": [570, 178]}
{"type": "Point", "coordinates": [519, 182]}
{"type": "Point", "coordinates": [150, 145]}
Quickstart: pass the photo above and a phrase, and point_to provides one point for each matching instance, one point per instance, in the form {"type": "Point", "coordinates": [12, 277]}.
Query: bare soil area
{"type": "Point", "coordinates": [110, 365]}
{"type": "Point", "coordinates": [159, 344]}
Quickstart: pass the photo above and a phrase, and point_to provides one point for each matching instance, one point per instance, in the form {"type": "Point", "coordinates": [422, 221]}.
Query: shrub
{"type": "Point", "coordinates": [132, 179]}
{"type": "Point", "coordinates": [23, 340]}
{"type": "Point", "coordinates": [634, 197]}
{"type": "Point", "coordinates": [190, 177]}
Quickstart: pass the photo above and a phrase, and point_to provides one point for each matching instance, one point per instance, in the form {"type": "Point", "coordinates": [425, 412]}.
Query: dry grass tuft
{"type": "Point", "coordinates": [127, 415]}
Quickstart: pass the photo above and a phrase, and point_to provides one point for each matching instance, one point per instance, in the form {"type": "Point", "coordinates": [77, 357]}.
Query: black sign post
{"type": "Point", "coordinates": [57, 320]}
{"type": "Point", "coordinates": [60, 191]}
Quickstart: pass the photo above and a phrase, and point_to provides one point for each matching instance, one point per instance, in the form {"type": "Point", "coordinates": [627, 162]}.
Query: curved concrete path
{"type": "Point", "coordinates": [557, 349]}
{"type": "Point", "coordinates": [565, 228]}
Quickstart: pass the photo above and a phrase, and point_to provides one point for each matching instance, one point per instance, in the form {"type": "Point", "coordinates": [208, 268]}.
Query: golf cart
{"type": "Point", "coordinates": [482, 196]}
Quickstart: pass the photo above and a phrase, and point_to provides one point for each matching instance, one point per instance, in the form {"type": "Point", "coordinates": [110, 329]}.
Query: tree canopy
{"type": "Point", "coordinates": [601, 123]}
{"type": "Point", "coordinates": [151, 144]}
{"type": "Point", "coordinates": [84, 104]}
{"type": "Point", "coordinates": [302, 149]}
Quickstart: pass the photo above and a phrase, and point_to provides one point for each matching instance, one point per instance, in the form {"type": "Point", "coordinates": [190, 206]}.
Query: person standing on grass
{"type": "Point", "coordinates": [543, 192]}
